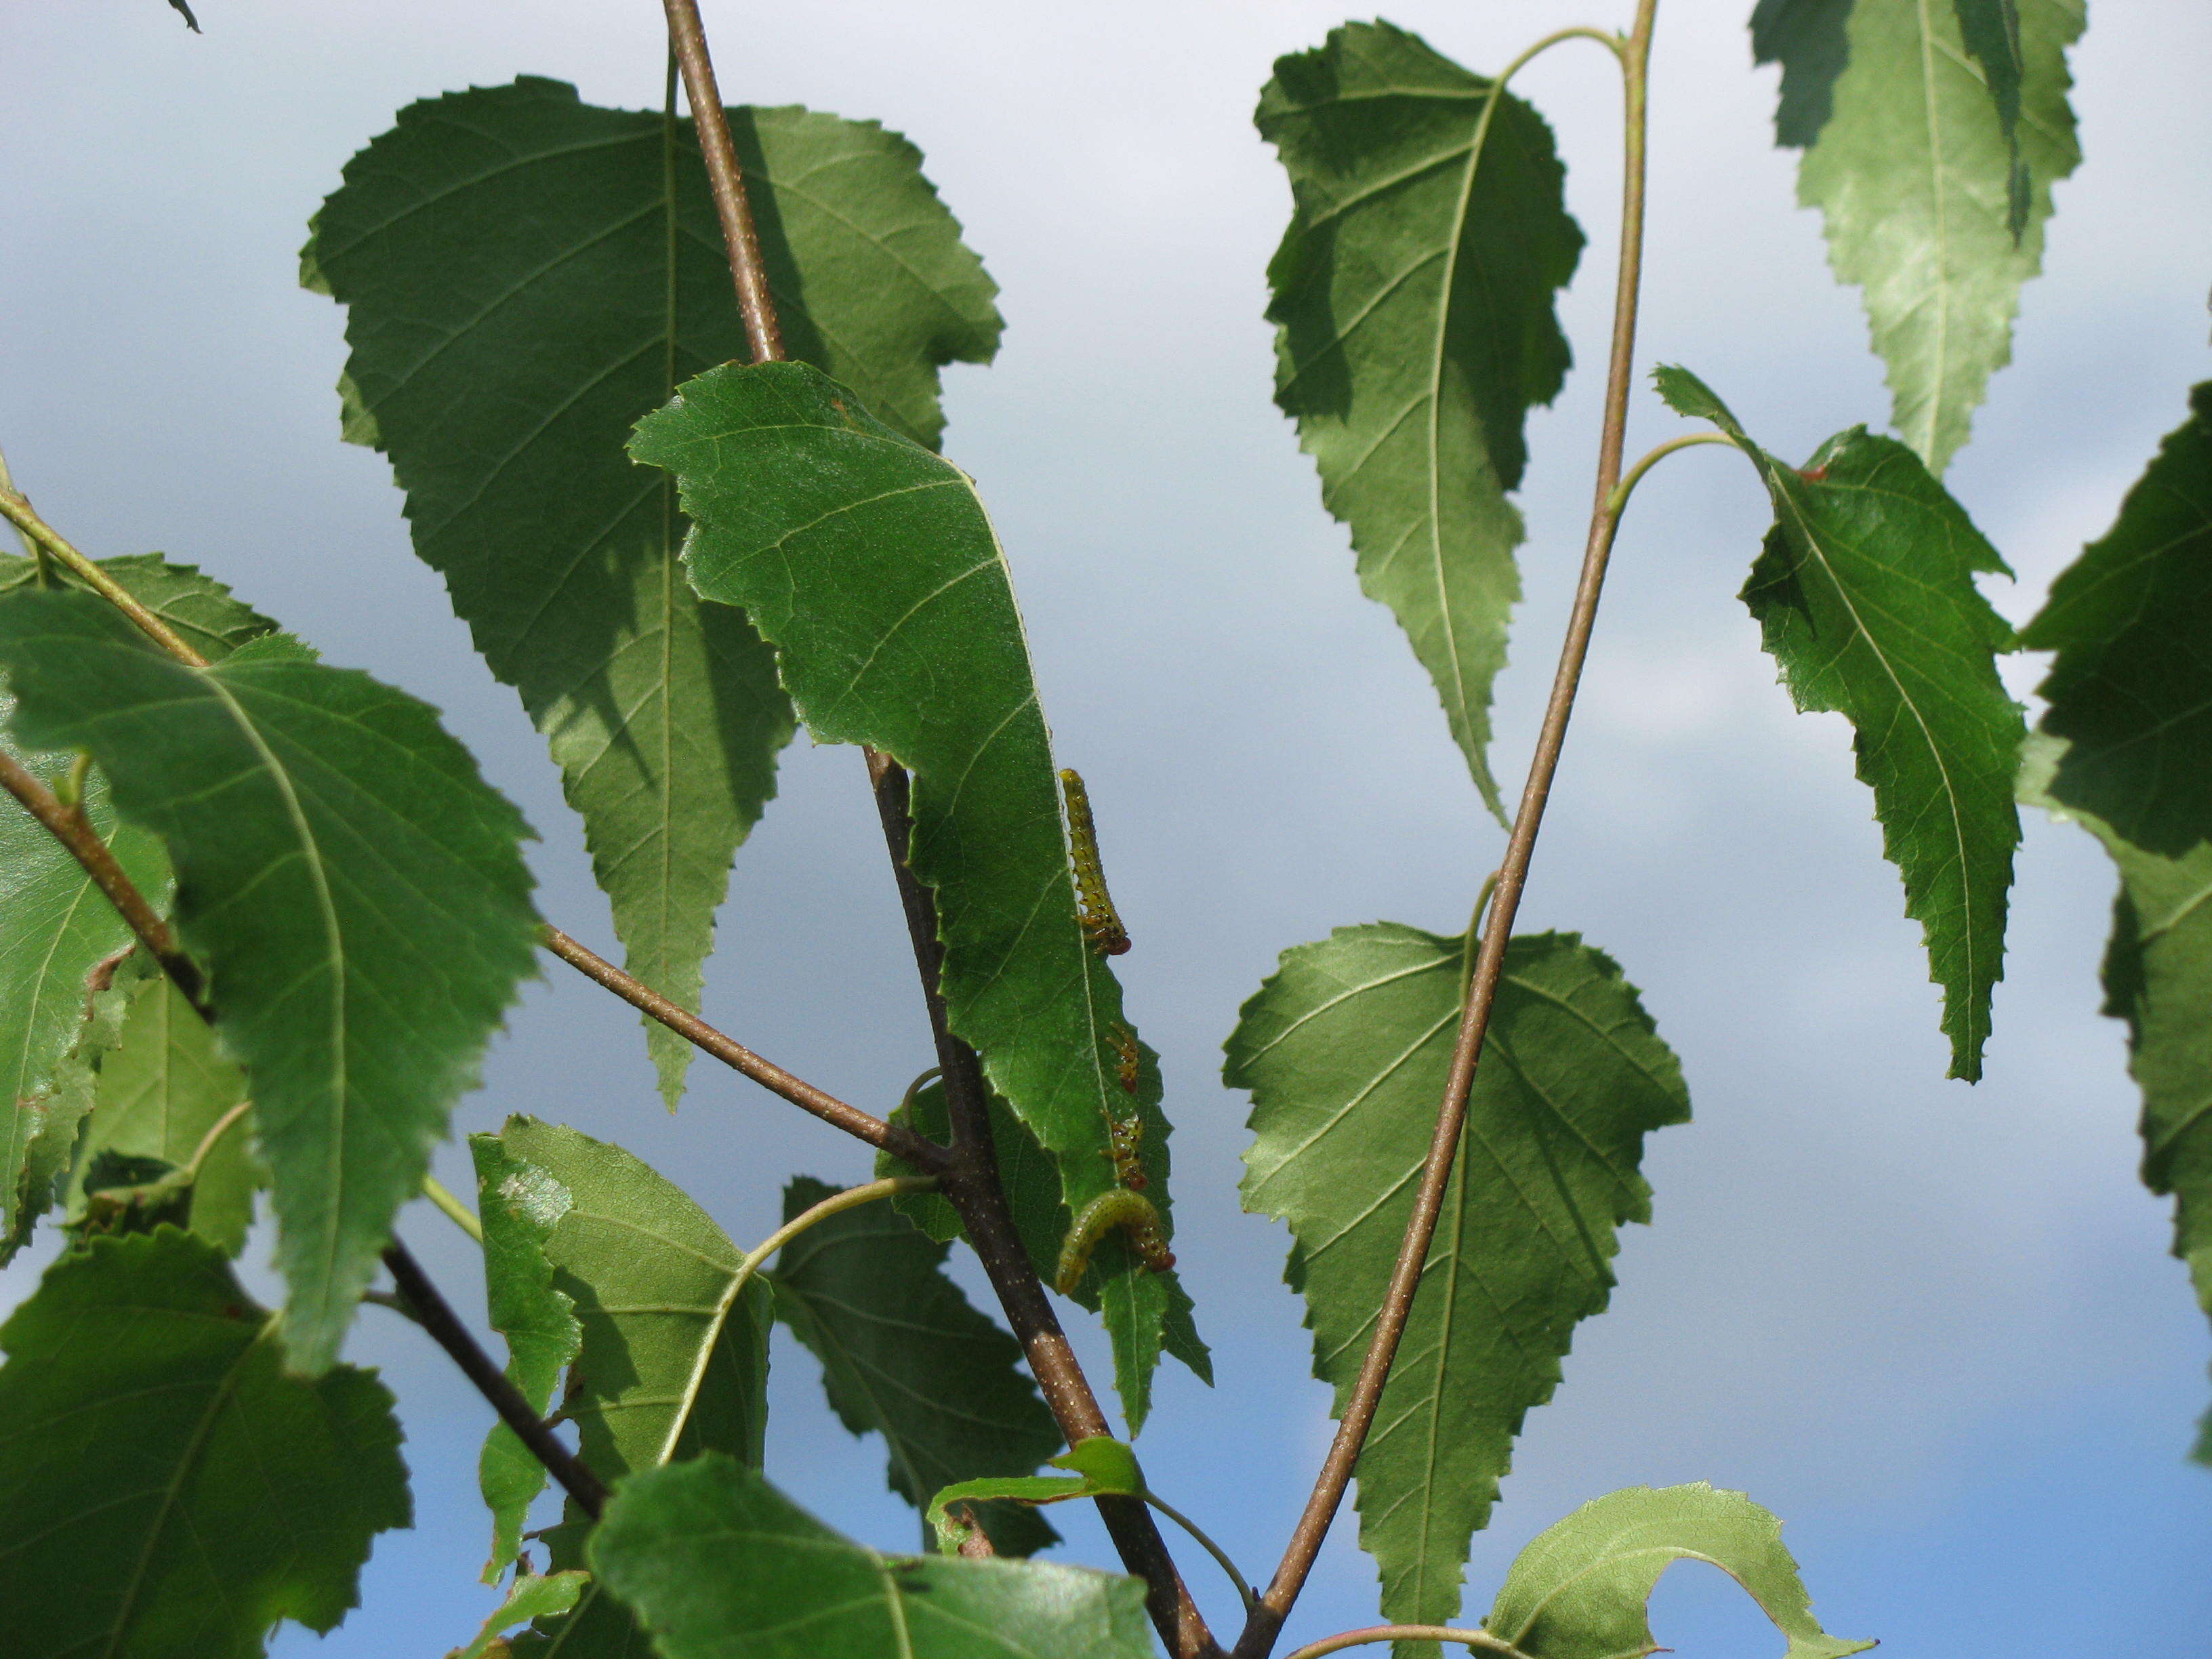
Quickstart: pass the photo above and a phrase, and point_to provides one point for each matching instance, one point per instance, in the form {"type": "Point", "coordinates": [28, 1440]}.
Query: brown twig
{"type": "Point", "coordinates": [727, 180]}
{"type": "Point", "coordinates": [430, 1309]}
{"type": "Point", "coordinates": [1266, 1620]}
{"type": "Point", "coordinates": [436, 1317]}
{"type": "Point", "coordinates": [69, 826]}
{"type": "Point", "coordinates": [924, 1154]}
{"type": "Point", "coordinates": [969, 1171]}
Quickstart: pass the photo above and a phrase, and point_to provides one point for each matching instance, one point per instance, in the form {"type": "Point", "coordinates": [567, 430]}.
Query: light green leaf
{"type": "Point", "coordinates": [720, 1564]}
{"type": "Point", "coordinates": [871, 564]}
{"type": "Point", "coordinates": [905, 1356]}
{"type": "Point", "coordinates": [354, 888]}
{"type": "Point", "coordinates": [1935, 202]}
{"type": "Point", "coordinates": [1864, 593]}
{"type": "Point", "coordinates": [668, 1365]}
{"type": "Point", "coordinates": [531, 1597]}
{"type": "Point", "coordinates": [166, 1491]}
{"type": "Point", "coordinates": [525, 276]}
{"type": "Point", "coordinates": [1104, 1468]}
{"type": "Point", "coordinates": [163, 1089]}
{"type": "Point", "coordinates": [1345, 1050]}
{"type": "Point", "coordinates": [55, 927]}
{"type": "Point", "coordinates": [1579, 1589]}
{"type": "Point", "coordinates": [518, 1205]}
{"type": "Point", "coordinates": [1412, 299]}
{"type": "Point", "coordinates": [2131, 689]}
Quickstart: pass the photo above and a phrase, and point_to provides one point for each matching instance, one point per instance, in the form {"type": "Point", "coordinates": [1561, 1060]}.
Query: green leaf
{"type": "Point", "coordinates": [1578, 1590]}
{"type": "Point", "coordinates": [1104, 1468]}
{"type": "Point", "coordinates": [1808, 38]}
{"type": "Point", "coordinates": [720, 1564]}
{"type": "Point", "coordinates": [1864, 593]}
{"type": "Point", "coordinates": [356, 888]}
{"type": "Point", "coordinates": [871, 564]}
{"type": "Point", "coordinates": [163, 1089]}
{"type": "Point", "coordinates": [1934, 197]}
{"type": "Point", "coordinates": [1412, 300]}
{"type": "Point", "coordinates": [57, 934]}
{"type": "Point", "coordinates": [166, 1491]}
{"type": "Point", "coordinates": [904, 1355]}
{"type": "Point", "coordinates": [525, 276]}
{"type": "Point", "coordinates": [668, 1367]}
{"type": "Point", "coordinates": [532, 1597]}
{"type": "Point", "coordinates": [519, 1206]}
{"type": "Point", "coordinates": [2158, 978]}
{"type": "Point", "coordinates": [1345, 1050]}
{"type": "Point", "coordinates": [2131, 690]}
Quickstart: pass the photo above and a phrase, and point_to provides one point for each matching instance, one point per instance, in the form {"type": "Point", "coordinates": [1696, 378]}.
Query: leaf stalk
{"type": "Point", "coordinates": [19, 512]}
{"type": "Point", "coordinates": [1617, 503]}
{"type": "Point", "coordinates": [1265, 1621]}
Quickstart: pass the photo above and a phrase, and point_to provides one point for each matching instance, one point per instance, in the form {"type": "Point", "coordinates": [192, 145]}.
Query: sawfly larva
{"type": "Point", "coordinates": [1094, 906]}
{"type": "Point", "coordinates": [1122, 1209]}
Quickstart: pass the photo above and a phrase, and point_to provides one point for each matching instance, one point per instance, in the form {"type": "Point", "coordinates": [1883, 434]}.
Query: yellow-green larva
{"type": "Point", "coordinates": [1094, 906]}
{"type": "Point", "coordinates": [1122, 1209]}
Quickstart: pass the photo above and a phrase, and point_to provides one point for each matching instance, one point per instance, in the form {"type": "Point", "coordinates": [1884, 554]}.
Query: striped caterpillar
{"type": "Point", "coordinates": [1125, 1054]}
{"type": "Point", "coordinates": [1119, 1208]}
{"type": "Point", "coordinates": [1094, 906]}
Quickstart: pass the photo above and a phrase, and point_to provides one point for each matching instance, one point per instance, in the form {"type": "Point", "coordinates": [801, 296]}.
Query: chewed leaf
{"type": "Point", "coordinates": [1578, 1590]}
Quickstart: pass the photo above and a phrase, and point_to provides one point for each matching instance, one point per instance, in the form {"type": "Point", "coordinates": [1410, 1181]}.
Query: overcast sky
{"type": "Point", "coordinates": [1933, 1327]}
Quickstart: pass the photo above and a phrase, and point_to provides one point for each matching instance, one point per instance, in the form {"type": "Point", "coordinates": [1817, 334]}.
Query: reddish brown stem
{"type": "Point", "coordinates": [924, 1154]}
{"type": "Point", "coordinates": [726, 180]}
{"type": "Point", "coordinates": [969, 1173]}
{"type": "Point", "coordinates": [69, 826]}
{"type": "Point", "coordinates": [972, 1186]}
{"type": "Point", "coordinates": [1267, 1619]}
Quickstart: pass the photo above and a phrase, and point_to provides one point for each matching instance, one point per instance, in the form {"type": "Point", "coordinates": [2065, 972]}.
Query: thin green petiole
{"type": "Point", "coordinates": [1243, 1589]}
{"type": "Point", "coordinates": [851, 1198]}
{"type": "Point", "coordinates": [222, 1126]}
{"type": "Point", "coordinates": [1617, 501]}
{"type": "Point", "coordinates": [458, 1212]}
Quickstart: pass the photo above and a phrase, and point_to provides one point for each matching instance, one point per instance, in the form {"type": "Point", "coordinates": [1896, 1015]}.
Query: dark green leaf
{"type": "Point", "coordinates": [1412, 299]}
{"type": "Point", "coordinates": [161, 1091]}
{"type": "Point", "coordinates": [1808, 38]}
{"type": "Point", "coordinates": [1579, 1588]}
{"type": "Point", "coordinates": [669, 1367]}
{"type": "Point", "coordinates": [1864, 593]}
{"type": "Point", "coordinates": [166, 1491]}
{"type": "Point", "coordinates": [1934, 197]}
{"type": "Point", "coordinates": [2131, 689]}
{"type": "Point", "coordinates": [518, 1204]}
{"type": "Point", "coordinates": [1345, 1050]}
{"type": "Point", "coordinates": [531, 1597]}
{"type": "Point", "coordinates": [904, 1354]}
{"type": "Point", "coordinates": [356, 888]}
{"type": "Point", "coordinates": [871, 564]}
{"type": "Point", "coordinates": [719, 1564]}
{"type": "Point", "coordinates": [525, 276]}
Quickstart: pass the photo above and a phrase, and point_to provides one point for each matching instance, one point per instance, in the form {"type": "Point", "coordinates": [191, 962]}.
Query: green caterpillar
{"type": "Point", "coordinates": [1094, 906]}
{"type": "Point", "coordinates": [1118, 1208]}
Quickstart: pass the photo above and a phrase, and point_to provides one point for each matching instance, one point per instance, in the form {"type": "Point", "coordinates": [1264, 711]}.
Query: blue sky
{"type": "Point", "coordinates": [1934, 1327]}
